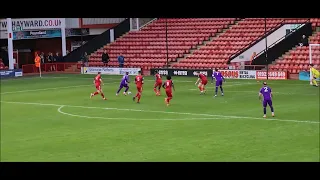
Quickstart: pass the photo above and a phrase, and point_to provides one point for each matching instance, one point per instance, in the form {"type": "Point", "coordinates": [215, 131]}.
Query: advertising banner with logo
{"type": "Point", "coordinates": [272, 75]}
{"type": "Point", "coordinates": [36, 34]}
{"type": "Point", "coordinates": [228, 74]}
{"type": "Point", "coordinates": [109, 71]}
{"type": "Point", "coordinates": [10, 73]}
{"type": "Point", "coordinates": [238, 74]}
{"type": "Point", "coordinates": [180, 72]}
{"type": "Point", "coordinates": [52, 33]}
{"type": "Point", "coordinates": [32, 24]}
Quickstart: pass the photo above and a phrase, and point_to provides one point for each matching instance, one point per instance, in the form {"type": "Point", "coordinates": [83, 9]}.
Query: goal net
{"type": "Point", "coordinates": [314, 56]}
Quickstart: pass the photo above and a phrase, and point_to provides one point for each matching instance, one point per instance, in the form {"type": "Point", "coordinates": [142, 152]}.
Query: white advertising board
{"type": "Point", "coordinates": [32, 23]}
{"type": "Point", "coordinates": [109, 71]}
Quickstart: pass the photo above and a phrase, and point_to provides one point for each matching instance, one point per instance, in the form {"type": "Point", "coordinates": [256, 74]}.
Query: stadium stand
{"type": "Point", "coordinates": [147, 48]}
{"type": "Point", "coordinates": [297, 58]}
{"type": "Point", "coordinates": [192, 42]}
{"type": "Point", "coordinates": [216, 53]}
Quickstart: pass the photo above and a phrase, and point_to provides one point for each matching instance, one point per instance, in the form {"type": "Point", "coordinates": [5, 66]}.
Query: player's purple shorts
{"type": "Point", "coordinates": [219, 83]}
{"type": "Point", "coordinates": [267, 102]}
{"type": "Point", "coordinates": [123, 85]}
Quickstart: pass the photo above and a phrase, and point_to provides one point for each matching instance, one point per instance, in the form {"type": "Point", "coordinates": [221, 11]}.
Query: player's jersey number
{"type": "Point", "coordinates": [265, 89]}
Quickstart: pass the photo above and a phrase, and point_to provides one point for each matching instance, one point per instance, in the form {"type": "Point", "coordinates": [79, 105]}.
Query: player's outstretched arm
{"type": "Point", "coordinates": [260, 96]}
{"type": "Point", "coordinates": [197, 81]}
{"type": "Point", "coordinates": [173, 87]}
{"type": "Point", "coordinates": [164, 85]}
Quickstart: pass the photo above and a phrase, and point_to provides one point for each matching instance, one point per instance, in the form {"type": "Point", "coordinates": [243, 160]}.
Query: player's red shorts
{"type": "Point", "coordinates": [139, 88]}
{"type": "Point", "coordinates": [169, 93]}
{"type": "Point", "coordinates": [158, 84]}
{"type": "Point", "coordinates": [204, 82]}
{"type": "Point", "coordinates": [98, 87]}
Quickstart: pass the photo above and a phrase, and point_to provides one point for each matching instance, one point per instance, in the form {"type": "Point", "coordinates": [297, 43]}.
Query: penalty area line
{"type": "Point", "coordinates": [168, 112]}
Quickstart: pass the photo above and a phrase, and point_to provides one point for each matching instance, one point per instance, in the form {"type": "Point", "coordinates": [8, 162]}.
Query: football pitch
{"type": "Point", "coordinates": [54, 119]}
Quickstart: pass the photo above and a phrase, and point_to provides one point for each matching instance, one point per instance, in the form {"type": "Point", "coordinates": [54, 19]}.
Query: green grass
{"type": "Point", "coordinates": [54, 119]}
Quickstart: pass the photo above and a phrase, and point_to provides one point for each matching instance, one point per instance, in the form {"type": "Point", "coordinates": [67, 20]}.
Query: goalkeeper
{"type": "Point", "coordinates": [314, 75]}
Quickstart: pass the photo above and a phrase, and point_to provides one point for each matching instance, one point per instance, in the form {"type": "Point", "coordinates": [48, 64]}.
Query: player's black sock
{"type": "Point", "coordinates": [264, 110]}
{"type": "Point", "coordinates": [221, 89]}
{"type": "Point", "coordinates": [127, 88]}
{"type": "Point", "coordinates": [119, 90]}
{"type": "Point", "coordinates": [271, 107]}
{"type": "Point", "coordinates": [216, 90]}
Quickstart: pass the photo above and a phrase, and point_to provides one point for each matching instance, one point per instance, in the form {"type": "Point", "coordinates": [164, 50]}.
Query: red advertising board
{"type": "Point", "coordinates": [272, 75]}
{"type": "Point", "coordinates": [230, 74]}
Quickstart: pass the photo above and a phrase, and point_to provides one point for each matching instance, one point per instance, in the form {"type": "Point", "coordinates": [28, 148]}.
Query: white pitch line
{"type": "Point", "coordinates": [258, 92]}
{"type": "Point", "coordinates": [166, 112]}
{"type": "Point", "coordinates": [44, 89]}
{"type": "Point", "coordinates": [137, 119]}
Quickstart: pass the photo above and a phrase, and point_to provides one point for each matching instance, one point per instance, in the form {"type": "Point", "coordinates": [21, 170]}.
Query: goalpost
{"type": "Point", "coordinates": [311, 51]}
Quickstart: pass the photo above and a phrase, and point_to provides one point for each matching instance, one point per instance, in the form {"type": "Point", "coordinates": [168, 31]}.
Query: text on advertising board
{"type": "Point", "coordinates": [244, 74]}
{"type": "Point", "coordinates": [180, 73]}
{"type": "Point", "coordinates": [201, 72]}
{"type": "Point", "coordinates": [271, 75]}
{"type": "Point", "coordinates": [230, 74]}
{"type": "Point", "coordinates": [32, 23]}
{"type": "Point", "coordinates": [110, 71]}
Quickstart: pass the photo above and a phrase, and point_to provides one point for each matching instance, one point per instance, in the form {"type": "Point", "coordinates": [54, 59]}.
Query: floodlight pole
{"type": "Point", "coordinates": [10, 43]}
{"type": "Point", "coordinates": [266, 42]}
{"type": "Point", "coordinates": [167, 43]}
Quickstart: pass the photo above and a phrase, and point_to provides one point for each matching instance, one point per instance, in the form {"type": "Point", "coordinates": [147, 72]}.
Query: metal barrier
{"type": "Point", "coordinates": [52, 67]}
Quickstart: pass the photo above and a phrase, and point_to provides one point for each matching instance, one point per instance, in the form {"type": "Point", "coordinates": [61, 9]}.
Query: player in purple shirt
{"type": "Point", "coordinates": [266, 92]}
{"type": "Point", "coordinates": [124, 83]}
{"type": "Point", "coordinates": [219, 79]}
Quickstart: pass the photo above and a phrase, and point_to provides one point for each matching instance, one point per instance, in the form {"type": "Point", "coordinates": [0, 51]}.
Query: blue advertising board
{"type": "Point", "coordinates": [10, 73]}
{"type": "Point", "coordinates": [50, 33]}
{"type": "Point", "coordinates": [305, 76]}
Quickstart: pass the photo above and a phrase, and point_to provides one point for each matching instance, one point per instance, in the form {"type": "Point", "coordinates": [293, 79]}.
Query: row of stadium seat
{"type": "Point", "coordinates": [150, 40]}
{"type": "Point", "coordinates": [298, 58]}
{"type": "Point", "coordinates": [236, 38]}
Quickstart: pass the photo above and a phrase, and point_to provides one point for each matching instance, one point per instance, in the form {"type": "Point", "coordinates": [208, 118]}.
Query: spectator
{"type": "Point", "coordinates": [51, 60]}
{"type": "Point", "coordinates": [105, 58]}
{"type": "Point", "coordinates": [42, 58]}
{"type": "Point", "coordinates": [304, 41]}
{"type": "Point", "coordinates": [121, 61]}
{"type": "Point", "coordinates": [57, 57]}
{"type": "Point", "coordinates": [84, 59]}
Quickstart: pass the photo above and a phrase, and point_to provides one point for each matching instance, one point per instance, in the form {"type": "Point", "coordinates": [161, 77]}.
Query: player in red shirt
{"type": "Point", "coordinates": [203, 82]}
{"type": "Point", "coordinates": [97, 82]}
{"type": "Point", "coordinates": [139, 83]}
{"type": "Point", "coordinates": [157, 84]}
{"type": "Point", "coordinates": [168, 85]}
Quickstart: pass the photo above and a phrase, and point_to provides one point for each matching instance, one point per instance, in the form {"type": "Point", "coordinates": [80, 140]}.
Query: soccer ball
{"type": "Point", "coordinates": [129, 92]}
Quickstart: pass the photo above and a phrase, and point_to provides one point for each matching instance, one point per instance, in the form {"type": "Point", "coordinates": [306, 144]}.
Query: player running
{"type": "Point", "coordinates": [139, 83]}
{"type": "Point", "coordinates": [203, 82]}
{"type": "Point", "coordinates": [168, 85]}
{"type": "Point", "coordinates": [266, 92]}
{"type": "Point", "coordinates": [124, 83]}
{"type": "Point", "coordinates": [157, 84]}
{"type": "Point", "coordinates": [97, 82]}
{"type": "Point", "coordinates": [314, 75]}
{"type": "Point", "coordinates": [219, 78]}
